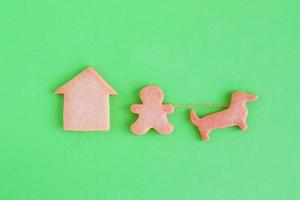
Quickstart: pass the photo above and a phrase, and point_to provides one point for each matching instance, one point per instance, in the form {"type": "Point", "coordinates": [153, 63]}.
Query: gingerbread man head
{"type": "Point", "coordinates": [152, 94]}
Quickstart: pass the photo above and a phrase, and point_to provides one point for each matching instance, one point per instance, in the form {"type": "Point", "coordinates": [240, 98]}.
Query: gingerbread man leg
{"type": "Point", "coordinates": [139, 127]}
{"type": "Point", "coordinates": [163, 127]}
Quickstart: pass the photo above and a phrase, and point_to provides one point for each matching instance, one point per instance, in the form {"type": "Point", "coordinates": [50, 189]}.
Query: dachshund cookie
{"type": "Point", "coordinates": [152, 113]}
{"type": "Point", "coordinates": [234, 115]}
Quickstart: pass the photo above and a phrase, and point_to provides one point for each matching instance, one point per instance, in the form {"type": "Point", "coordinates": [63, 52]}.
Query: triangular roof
{"type": "Point", "coordinates": [90, 71]}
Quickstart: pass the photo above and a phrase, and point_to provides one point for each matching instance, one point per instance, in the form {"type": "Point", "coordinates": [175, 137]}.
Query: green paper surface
{"type": "Point", "coordinates": [197, 52]}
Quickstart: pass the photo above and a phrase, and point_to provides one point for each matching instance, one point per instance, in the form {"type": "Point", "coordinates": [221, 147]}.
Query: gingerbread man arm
{"type": "Point", "coordinates": [168, 108]}
{"type": "Point", "coordinates": [136, 108]}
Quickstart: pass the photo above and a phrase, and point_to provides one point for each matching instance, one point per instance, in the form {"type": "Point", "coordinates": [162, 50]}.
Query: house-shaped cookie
{"type": "Point", "coordinates": [86, 102]}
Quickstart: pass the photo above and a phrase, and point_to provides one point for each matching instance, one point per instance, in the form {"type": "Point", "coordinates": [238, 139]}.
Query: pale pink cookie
{"type": "Point", "coordinates": [234, 115]}
{"type": "Point", "coordinates": [152, 113]}
{"type": "Point", "coordinates": [86, 102]}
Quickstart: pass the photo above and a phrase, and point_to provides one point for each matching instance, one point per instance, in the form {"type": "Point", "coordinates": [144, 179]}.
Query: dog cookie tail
{"type": "Point", "coordinates": [194, 118]}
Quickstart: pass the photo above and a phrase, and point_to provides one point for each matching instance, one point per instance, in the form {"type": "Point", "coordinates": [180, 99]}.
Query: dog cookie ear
{"type": "Point", "coordinates": [234, 115]}
{"type": "Point", "coordinates": [86, 102]}
{"type": "Point", "coordinates": [151, 112]}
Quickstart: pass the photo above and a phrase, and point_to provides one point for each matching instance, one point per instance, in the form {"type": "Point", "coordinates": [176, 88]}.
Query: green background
{"type": "Point", "coordinates": [197, 52]}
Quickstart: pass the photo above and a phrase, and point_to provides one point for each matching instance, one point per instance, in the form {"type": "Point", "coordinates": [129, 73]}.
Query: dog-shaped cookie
{"type": "Point", "coordinates": [234, 115]}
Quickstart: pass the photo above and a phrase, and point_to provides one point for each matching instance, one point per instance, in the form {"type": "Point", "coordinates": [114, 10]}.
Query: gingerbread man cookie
{"type": "Point", "coordinates": [152, 113]}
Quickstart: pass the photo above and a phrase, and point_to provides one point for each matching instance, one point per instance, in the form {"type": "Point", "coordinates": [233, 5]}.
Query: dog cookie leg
{"type": "Point", "coordinates": [204, 135]}
{"type": "Point", "coordinates": [243, 126]}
